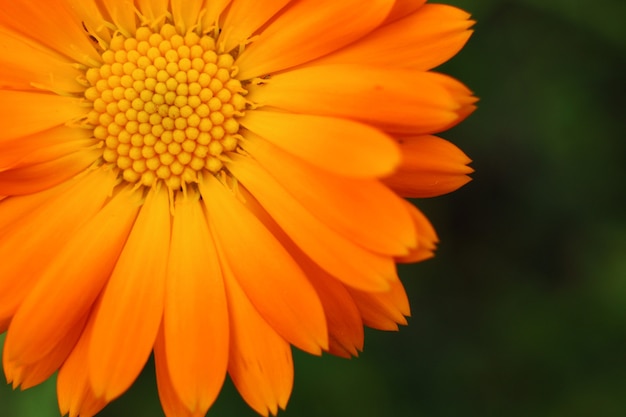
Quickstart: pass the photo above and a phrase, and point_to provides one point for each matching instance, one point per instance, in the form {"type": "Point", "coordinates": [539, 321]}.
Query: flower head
{"type": "Point", "coordinates": [214, 181]}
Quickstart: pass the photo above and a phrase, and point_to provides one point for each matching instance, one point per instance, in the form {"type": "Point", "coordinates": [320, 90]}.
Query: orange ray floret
{"type": "Point", "coordinates": [389, 230]}
{"type": "Point", "coordinates": [339, 256]}
{"type": "Point", "coordinates": [239, 24]}
{"type": "Point", "coordinates": [432, 35]}
{"type": "Point", "coordinates": [373, 154]}
{"type": "Point", "coordinates": [123, 334]}
{"type": "Point", "coordinates": [74, 390]}
{"type": "Point", "coordinates": [430, 167]}
{"type": "Point", "coordinates": [394, 99]}
{"type": "Point", "coordinates": [310, 29]}
{"type": "Point", "coordinates": [260, 362]}
{"type": "Point", "coordinates": [195, 321]}
{"type": "Point", "coordinates": [426, 238]}
{"type": "Point", "coordinates": [36, 223]}
{"type": "Point", "coordinates": [60, 298]}
{"type": "Point", "coordinates": [294, 312]}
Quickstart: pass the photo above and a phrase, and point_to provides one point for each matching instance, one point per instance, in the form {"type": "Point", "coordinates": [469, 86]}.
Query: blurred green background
{"type": "Point", "coordinates": [523, 311]}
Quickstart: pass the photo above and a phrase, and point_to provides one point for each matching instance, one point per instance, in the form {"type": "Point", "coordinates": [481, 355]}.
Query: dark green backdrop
{"type": "Point", "coordinates": [523, 311]}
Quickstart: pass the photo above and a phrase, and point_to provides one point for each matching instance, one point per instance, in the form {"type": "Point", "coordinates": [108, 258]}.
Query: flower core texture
{"type": "Point", "coordinates": [165, 106]}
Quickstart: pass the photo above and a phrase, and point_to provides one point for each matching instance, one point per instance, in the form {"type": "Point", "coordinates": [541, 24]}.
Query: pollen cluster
{"type": "Point", "coordinates": [165, 106]}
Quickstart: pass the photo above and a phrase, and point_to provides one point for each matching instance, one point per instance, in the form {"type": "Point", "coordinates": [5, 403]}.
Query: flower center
{"type": "Point", "coordinates": [165, 106]}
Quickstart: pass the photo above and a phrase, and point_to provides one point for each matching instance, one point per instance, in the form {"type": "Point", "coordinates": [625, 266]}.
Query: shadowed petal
{"type": "Point", "coordinates": [260, 362]}
{"type": "Point", "coordinates": [402, 8]}
{"type": "Point", "coordinates": [345, 327]}
{"type": "Point", "coordinates": [39, 176]}
{"type": "Point", "coordinates": [430, 167]}
{"type": "Point", "coordinates": [344, 204]}
{"type": "Point", "coordinates": [28, 375]}
{"type": "Point", "coordinates": [261, 265]}
{"type": "Point", "coordinates": [383, 310]}
{"type": "Point", "coordinates": [74, 392]}
{"type": "Point", "coordinates": [173, 406]}
{"type": "Point", "coordinates": [422, 40]}
{"type": "Point", "coordinates": [337, 255]}
{"type": "Point", "coordinates": [43, 146]}
{"type": "Point", "coordinates": [426, 237]}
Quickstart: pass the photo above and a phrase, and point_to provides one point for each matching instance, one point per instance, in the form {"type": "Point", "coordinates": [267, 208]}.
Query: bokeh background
{"type": "Point", "coordinates": [523, 311]}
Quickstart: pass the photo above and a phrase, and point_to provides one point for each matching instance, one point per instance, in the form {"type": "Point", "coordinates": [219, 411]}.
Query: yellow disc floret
{"type": "Point", "coordinates": [165, 106]}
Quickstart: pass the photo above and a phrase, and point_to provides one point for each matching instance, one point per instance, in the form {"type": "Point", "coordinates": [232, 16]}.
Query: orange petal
{"type": "Point", "coordinates": [431, 166]}
{"type": "Point", "coordinates": [51, 23]}
{"type": "Point", "coordinates": [307, 30]}
{"type": "Point", "coordinates": [153, 10]}
{"type": "Point", "coordinates": [383, 310]}
{"type": "Point", "coordinates": [336, 145]}
{"type": "Point", "coordinates": [269, 276]}
{"type": "Point", "coordinates": [68, 287]}
{"type": "Point", "coordinates": [37, 223]}
{"type": "Point", "coordinates": [423, 40]}
{"type": "Point", "coordinates": [336, 254]}
{"type": "Point", "coordinates": [29, 375]}
{"type": "Point", "coordinates": [74, 391]}
{"type": "Point", "coordinates": [240, 24]}
{"type": "Point", "coordinates": [16, 208]}
{"type": "Point", "coordinates": [123, 15]}
{"type": "Point", "coordinates": [45, 154]}
{"type": "Point", "coordinates": [345, 327]}
{"type": "Point", "coordinates": [33, 178]}
{"type": "Point", "coordinates": [426, 237]}
{"type": "Point", "coordinates": [392, 98]}
{"type": "Point", "coordinates": [43, 146]}
{"type": "Point", "coordinates": [403, 8]}
{"type": "Point", "coordinates": [463, 96]}
{"type": "Point", "coordinates": [195, 321]}
{"type": "Point", "coordinates": [89, 14]}
{"type": "Point", "coordinates": [24, 63]}
{"type": "Point", "coordinates": [260, 362]}
{"type": "Point", "coordinates": [185, 14]}
{"type": "Point", "coordinates": [212, 11]}
{"type": "Point", "coordinates": [25, 113]}
{"type": "Point", "coordinates": [130, 312]}
{"type": "Point", "coordinates": [362, 210]}
{"type": "Point", "coordinates": [172, 405]}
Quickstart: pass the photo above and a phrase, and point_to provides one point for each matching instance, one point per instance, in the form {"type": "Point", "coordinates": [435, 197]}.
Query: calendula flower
{"type": "Point", "coordinates": [213, 182]}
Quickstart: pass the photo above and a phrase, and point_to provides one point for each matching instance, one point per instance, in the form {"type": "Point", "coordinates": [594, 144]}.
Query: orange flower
{"type": "Point", "coordinates": [214, 181]}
